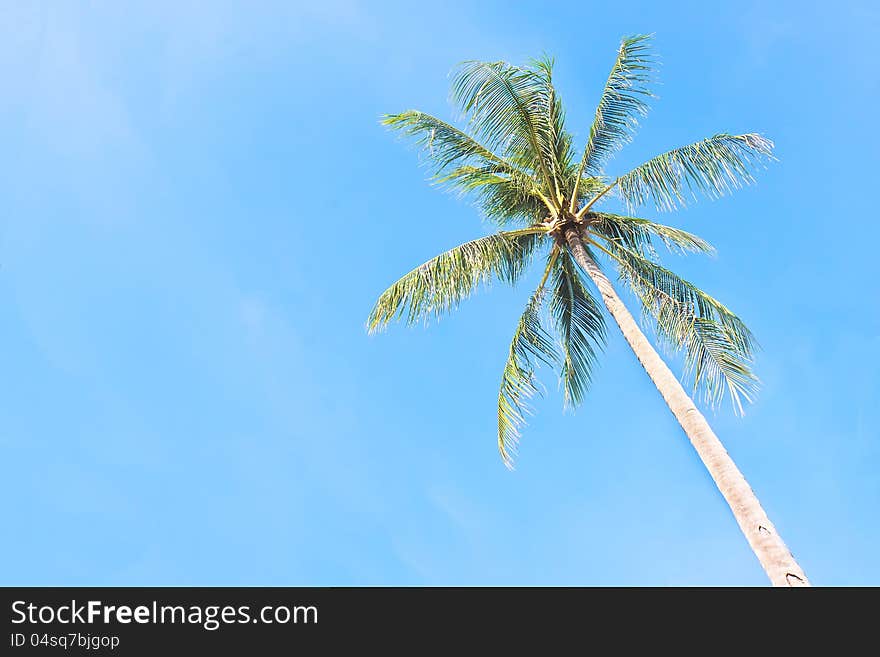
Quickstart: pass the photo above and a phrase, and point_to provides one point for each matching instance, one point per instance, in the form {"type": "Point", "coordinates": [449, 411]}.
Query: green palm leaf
{"type": "Point", "coordinates": [444, 281]}
{"type": "Point", "coordinates": [446, 145]}
{"type": "Point", "coordinates": [507, 107]}
{"type": "Point", "coordinates": [531, 343]}
{"type": "Point", "coordinates": [580, 325]}
{"type": "Point", "coordinates": [712, 167]}
{"type": "Point", "coordinates": [636, 234]}
{"type": "Point", "coordinates": [623, 101]}
{"type": "Point", "coordinates": [504, 197]}
{"type": "Point", "coordinates": [562, 169]}
{"type": "Point", "coordinates": [718, 346]}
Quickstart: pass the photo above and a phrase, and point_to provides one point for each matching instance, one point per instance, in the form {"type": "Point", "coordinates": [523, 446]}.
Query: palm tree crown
{"type": "Point", "coordinates": [519, 161]}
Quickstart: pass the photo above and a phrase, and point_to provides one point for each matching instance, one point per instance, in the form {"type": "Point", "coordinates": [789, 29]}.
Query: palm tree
{"type": "Point", "coordinates": [517, 159]}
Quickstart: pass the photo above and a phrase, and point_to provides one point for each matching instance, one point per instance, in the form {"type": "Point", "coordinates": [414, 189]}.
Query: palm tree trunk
{"type": "Point", "coordinates": [768, 546]}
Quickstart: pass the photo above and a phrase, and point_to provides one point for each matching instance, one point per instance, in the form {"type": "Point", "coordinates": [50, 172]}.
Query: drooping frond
{"type": "Point", "coordinates": [623, 101]}
{"type": "Point", "coordinates": [715, 366]}
{"type": "Point", "coordinates": [635, 234]}
{"type": "Point", "coordinates": [531, 344]}
{"type": "Point", "coordinates": [507, 107]}
{"type": "Point", "coordinates": [580, 325]}
{"type": "Point", "coordinates": [717, 345]}
{"type": "Point", "coordinates": [713, 167]}
{"type": "Point", "coordinates": [444, 281]}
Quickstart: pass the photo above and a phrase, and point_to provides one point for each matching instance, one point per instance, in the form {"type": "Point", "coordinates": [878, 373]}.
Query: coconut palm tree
{"type": "Point", "coordinates": [517, 159]}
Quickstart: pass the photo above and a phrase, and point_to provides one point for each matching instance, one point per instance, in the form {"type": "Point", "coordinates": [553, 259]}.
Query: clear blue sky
{"type": "Point", "coordinates": [199, 208]}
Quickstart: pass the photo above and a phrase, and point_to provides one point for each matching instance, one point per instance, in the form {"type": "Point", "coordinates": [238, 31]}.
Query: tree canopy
{"type": "Point", "coordinates": [515, 158]}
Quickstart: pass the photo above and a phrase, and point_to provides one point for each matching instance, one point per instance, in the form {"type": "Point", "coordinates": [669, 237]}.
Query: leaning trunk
{"type": "Point", "coordinates": [768, 546]}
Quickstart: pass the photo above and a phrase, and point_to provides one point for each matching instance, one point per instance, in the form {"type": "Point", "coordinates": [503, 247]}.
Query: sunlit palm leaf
{"type": "Point", "coordinates": [718, 346]}
{"type": "Point", "coordinates": [635, 233]}
{"type": "Point", "coordinates": [711, 167]}
{"type": "Point", "coordinates": [507, 108]}
{"type": "Point", "coordinates": [587, 188]}
{"type": "Point", "coordinates": [444, 281]}
{"type": "Point", "coordinates": [580, 325]}
{"type": "Point", "coordinates": [503, 197]}
{"type": "Point", "coordinates": [561, 166]}
{"type": "Point", "coordinates": [623, 101]}
{"type": "Point", "coordinates": [531, 344]}
{"type": "Point", "coordinates": [445, 144]}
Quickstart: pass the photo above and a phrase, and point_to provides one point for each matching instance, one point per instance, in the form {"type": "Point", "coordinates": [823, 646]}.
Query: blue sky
{"type": "Point", "coordinates": [199, 208]}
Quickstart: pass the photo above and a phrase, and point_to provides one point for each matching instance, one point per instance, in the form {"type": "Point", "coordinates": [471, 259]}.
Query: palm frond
{"type": "Point", "coordinates": [716, 366]}
{"type": "Point", "coordinates": [623, 101]}
{"type": "Point", "coordinates": [531, 344]}
{"type": "Point", "coordinates": [561, 140]}
{"type": "Point", "coordinates": [507, 108]}
{"type": "Point", "coordinates": [718, 347]}
{"type": "Point", "coordinates": [580, 325]}
{"type": "Point", "coordinates": [444, 281]}
{"type": "Point", "coordinates": [636, 234]}
{"type": "Point", "coordinates": [503, 197]}
{"type": "Point", "coordinates": [713, 167]}
{"type": "Point", "coordinates": [445, 144]}
{"type": "Point", "coordinates": [587, 188]}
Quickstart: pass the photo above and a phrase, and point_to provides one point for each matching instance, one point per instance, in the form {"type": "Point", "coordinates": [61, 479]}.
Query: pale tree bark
{"type": "Point", "coordinates": [775, 557]}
